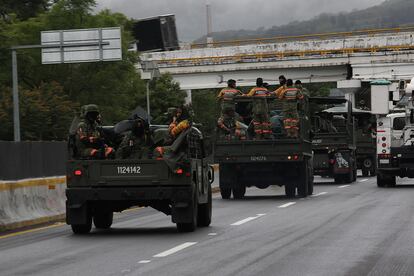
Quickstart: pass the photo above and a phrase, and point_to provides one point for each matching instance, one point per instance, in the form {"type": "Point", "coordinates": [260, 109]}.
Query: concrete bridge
{"type": "Point", "coordinates": [362, 55]}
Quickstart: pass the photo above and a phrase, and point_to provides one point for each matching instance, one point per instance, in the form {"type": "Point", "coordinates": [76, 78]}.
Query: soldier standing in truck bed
{"type": "Point", "coordinates": [290, 97]}
{"type": "Point", "coordinates": [261, 120]}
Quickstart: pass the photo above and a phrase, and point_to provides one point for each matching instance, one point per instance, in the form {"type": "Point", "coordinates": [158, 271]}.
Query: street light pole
{"type": "Point", "coordinates": [16, 116]}
{"type": "Point", "coordinates": [148, 102]}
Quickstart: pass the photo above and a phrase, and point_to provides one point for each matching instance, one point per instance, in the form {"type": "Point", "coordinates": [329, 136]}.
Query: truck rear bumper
{"type": "Point", "coordinates": [78, 196]}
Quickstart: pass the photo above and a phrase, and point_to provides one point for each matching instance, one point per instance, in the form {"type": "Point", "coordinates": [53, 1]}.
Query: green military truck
{"type": "Point", "coordinates": [178, 185]}
{"type": "Point", "coordinates": [366, 143]}
{"type": "Point", "coordinates": [277, 160]}
{"type": "Point", "coordinates": [334, 141]}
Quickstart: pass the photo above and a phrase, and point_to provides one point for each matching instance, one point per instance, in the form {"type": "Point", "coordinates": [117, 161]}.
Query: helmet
{"type": "Point", "coordinates": [89, 108]}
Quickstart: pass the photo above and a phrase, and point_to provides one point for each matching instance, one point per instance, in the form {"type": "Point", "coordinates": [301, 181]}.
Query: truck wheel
{"type": "Point", "coordinates": [384, 180]}
{"type": "Point", "coordinates": [349, 177]}
{"type": "Point", "coordinates": [303, 183]}
{"type": "Point", "coordinates": [192, 225]}
{"type": "Point", "coordinates": [364, 172]}
{"type": "Point", "coordinates": [290, 190]}
{"type": "Point", "coordinates": [355, 173]}
{"type": "Point", "coordinates": [391, 181]}
{"type": "Point", "coordinates": [239, 192]}
{"type": "Point", "coordinates": [82, 228]}
{"type": "Point", "coordinates": [225, 193]}
{"type": "Point", "coordinates": [204, 211]}
{"type": "Point", "coordinates": [103, 220]}
{"type": "Point", "coordinates": [338, 179]}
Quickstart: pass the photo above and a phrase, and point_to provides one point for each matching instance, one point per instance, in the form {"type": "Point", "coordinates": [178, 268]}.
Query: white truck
{"type": "Point", "coordinates": [393, 104]}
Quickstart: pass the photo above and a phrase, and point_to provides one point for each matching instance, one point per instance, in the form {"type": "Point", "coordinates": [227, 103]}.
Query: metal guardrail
{"type": "Point", "coordinates": [300, 37]}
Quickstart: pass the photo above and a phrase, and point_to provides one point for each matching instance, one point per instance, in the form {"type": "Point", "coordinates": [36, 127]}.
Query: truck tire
{"type": "Point", "coordinates": [193, 209]}
{"type": "Point", "coordinates": [82, 228]}
{"type": "Point", "coordinates": [384, 180]}
{"type": "Point", "coordinates": [103, 220]}
{"type": "Point", "coordinates": [204, 211]}
{"type": "Point", "coordinates": [225, 193]}
{"type": "Point", "coordinates": [338, 179]}
{"type": "Point", "coordinates": [303, 183]}
{"type": "Point", "coordinates": [365, 172]}
{"type": "Point", "coordinates": [290, 190]}
{"type": "Point", "coordinates": [349, 177]}
{"type": "Point", "coordinates": [310, 178]}
{"type": "Point", "coordinates": [391, 182]}
{"type": "Point", "coordinates": [239, 192]}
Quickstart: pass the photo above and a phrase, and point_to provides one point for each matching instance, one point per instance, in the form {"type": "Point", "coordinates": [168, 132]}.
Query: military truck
{"type": "Point", "coordinates": [178, 184]}
{"type": "Point", "coordinates": [366, 142]}
{"type": "Point", "coordinates": [334, 142]}
{"type": "Point", "coordinates": [246, 161]}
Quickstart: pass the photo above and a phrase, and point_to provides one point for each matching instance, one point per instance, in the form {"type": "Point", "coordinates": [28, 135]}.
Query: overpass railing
{"type": "Point", "coordinates": [320, 36]}
{"type": "Point", "coordinates": [277, 55]}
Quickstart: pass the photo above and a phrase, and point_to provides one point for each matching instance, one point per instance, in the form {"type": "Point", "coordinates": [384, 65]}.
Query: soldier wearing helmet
{"type": "Point", "coordinates": [89, 142]}
{"type": "Point", "coordinates": [137, 142]}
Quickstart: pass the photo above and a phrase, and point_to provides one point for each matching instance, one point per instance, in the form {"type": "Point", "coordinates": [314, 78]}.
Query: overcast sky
{"type": "Point", "coordinates": [231, 14]}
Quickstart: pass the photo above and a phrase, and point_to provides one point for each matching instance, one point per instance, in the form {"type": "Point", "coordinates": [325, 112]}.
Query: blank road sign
{"type": "Point", "coordinates": [86, 45]}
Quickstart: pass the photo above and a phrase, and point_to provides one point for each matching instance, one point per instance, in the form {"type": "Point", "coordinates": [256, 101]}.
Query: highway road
{"type": "Point", "coordinates": [355, 229]}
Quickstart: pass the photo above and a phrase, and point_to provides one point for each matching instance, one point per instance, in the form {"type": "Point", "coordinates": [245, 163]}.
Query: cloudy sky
{"type": "Point", "coordinates": [232, 14]}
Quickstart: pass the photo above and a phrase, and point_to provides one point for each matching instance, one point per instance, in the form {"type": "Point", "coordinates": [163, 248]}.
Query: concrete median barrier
{"type": "Point", "coordinates": [31, 201]}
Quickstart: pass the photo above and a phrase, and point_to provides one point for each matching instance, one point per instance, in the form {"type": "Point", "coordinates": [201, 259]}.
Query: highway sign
{"type": "Point", "coordinates": [85, 45]}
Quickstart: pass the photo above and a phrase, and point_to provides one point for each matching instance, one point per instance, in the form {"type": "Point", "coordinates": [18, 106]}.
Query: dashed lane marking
{"type": "Point", "coordinates": [212, 234]}
{"type": "Point", "coordinates": [322, 193]}
{"type": "Point", "coordinates": [243, 221]}
{"type": "Point", "coordinates": [363, 180]}
{"type": "Point", "coordinates": [286, 205]}
{"type": "Point", "coordinates": [174, 249]}
{"type": "Point", "coordinates": [144, 262]}
{"type": "Point", "coordinates": [343, 186]}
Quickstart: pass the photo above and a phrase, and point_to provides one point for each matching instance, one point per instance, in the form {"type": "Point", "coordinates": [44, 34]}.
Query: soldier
{"type": "Point", "coordinates": [298, 85]}
{"type": "Point", "coordinates": [89, 142]}
{"type": "Point", "coordinates": [179, 123]}
{"type": "Point", "coordinates": [137, 142]}
{"type": "Point", "coordinates": [226, 96]}
{"type": "Point", "coordinates": [261, 121]}
{"type": "Point", "coordinates": [282, 82]}
{"type": "Point", "coordinates": [290, 97]}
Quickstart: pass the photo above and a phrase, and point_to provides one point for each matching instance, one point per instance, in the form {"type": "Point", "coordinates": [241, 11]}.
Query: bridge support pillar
{"type": "Point", "coordinates": [188, 98]}
{"type": "Point", "coordinates": [349, 88]}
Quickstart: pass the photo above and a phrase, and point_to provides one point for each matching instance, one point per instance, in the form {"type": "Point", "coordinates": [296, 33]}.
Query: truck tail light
{"type": "Point", "coordinates": [383, 138]}
{"type": "Point", "coordinates": [332, 161]}
{"type": "Point", "coordinates": [77, 172]}
{"type": "Point", "coordinates": [295, 157]}
{"type": "Point", "coordinates": [179, 171]}
{"type": "Point", "coordinates": [384, 145]}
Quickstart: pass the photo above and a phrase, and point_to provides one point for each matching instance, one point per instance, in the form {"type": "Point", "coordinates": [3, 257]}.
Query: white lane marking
{"type": "Point", "coordinates": [363, 180]}
{"type": "Point", "coordinates": [286, 205]}
{"type": "Point", "coordinates": [144, 262]}
{"type": "Point", "coordinates": [126, 271]}
{"type": "Point", "coordinates": [323, 193]}
{"type": "Point", "coordinates": [174, 249]}
{"type": "Point", "coordinates": [240, 222]}
{"type": "Point", "coordinates": [212, 234]}
{"type": "Point", "coordinates": [343, 186]}
{"type": "Point", "coordinates": [260, 215]}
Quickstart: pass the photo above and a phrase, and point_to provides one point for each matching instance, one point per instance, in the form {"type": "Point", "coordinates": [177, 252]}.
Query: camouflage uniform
{"type": "Point", "coordinates": [226, 96]}
{"type": "Point", "coordinates": [290, 97]}
{"type": "Point", "coordinates": [89, 142]}
{"type": "Point", "coordinates": [261, 120]}
{"type": "Point", "coordinates": [133, 147]}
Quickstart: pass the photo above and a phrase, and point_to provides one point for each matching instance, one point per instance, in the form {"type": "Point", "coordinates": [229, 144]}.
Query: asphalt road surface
{"type": "Point", "coordinates": [355, 229]}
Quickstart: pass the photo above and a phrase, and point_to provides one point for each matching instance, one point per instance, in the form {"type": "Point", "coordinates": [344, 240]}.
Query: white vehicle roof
{"type": "Point", "coordinates": [396, 115]}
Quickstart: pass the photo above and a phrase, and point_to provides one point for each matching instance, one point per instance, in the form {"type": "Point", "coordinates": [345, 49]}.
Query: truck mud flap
{"type": "Point", "coordinates": [77, 213]}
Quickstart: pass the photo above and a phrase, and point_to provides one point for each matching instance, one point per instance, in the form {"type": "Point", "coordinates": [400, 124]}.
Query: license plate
{"type": "Point", "coordinates": [125, 170]}
{"type": "Point", "coordinates": [258, 158]}
{"type": "Point", "coordinates": [384, 161]}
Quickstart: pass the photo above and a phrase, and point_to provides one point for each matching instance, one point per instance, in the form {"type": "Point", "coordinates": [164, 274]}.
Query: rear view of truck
{"type": "Point", "coordinates": [333, 142]}
{"type": "Point", "coordinates": [179, 185]}
{"type": "Point", "coordinates": [256, 162]}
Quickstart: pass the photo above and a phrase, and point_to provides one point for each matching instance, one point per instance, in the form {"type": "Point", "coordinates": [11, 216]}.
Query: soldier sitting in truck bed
{"type": "Point", "coordinates": [137, 143]}
{"type": "Point", "coordinates": [89, 142]}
